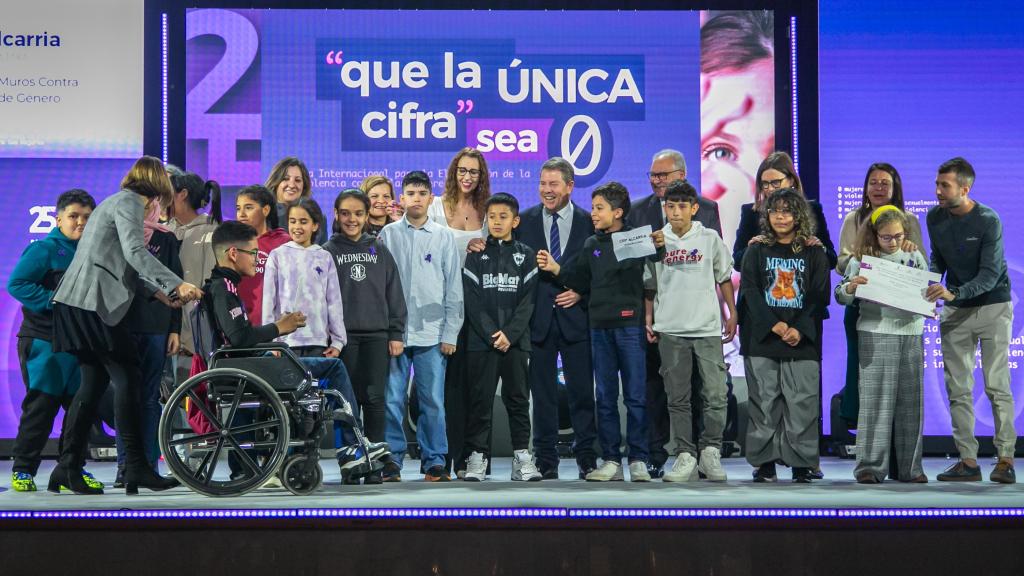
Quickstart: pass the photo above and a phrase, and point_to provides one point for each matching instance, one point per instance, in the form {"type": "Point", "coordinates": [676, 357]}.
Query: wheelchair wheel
{"type": "Point", "coordinates": [300, 476]}
{"type": "Point", "coordinates": [233, 415]}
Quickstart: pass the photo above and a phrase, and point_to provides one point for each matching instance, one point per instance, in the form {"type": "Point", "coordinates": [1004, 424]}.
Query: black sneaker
{"type": "Point", "coordinates": [960, 472]}
{"type": "Point", "coordinates": [765, 473]}
{"type": "Point", "coordinates": [656, 470]}
{"type": "Point", "coordinates": [803, 475]}
{"type": "Point", "coordinates": [817, 474]}
{"type": "Point", "coordinates": [374, 478]}
{"type": "Point", "coordinates": [548, 471]}
{"type": "Point", "coordinates": [1003, 472]}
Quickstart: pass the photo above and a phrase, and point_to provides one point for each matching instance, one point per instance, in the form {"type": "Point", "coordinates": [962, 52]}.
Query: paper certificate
{"type": "Point", "coordinates": [635, 243]}
{"type": "Point", "coordinates": [896, 285]}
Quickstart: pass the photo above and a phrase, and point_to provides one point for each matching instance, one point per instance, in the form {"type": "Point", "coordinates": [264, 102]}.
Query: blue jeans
{"type": "Point", "coordinates": [621, 350]}
{"type": "Point", "coordinates": [333, 371]}
{"type": "Point", "coordinates": [152, 356]}
{"type": "Point", "coordinates": [428, 366]}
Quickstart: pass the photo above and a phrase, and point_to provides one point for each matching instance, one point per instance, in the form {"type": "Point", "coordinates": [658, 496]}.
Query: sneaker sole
{"type": "Point", "coordinates": [960, 479]}
{"type": "Point", "coordinates": [1003, 480]}
{"type": "Point", "coordinates": [531, 479]}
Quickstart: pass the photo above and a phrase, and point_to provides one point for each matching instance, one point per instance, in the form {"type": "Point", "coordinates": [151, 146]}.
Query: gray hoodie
{"type": "Point", "coordinates": [371, 289]}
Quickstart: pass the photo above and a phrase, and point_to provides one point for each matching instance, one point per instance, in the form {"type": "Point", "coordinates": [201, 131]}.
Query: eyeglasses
{"type": "Point", "coordinates": [254, 252]}
{"type": "Point", "coordinates": [889, 238]}
{"type": "Point", "coordinates": [662, 175]}
{"type": "Point", "coordinates": [883, 184]}
{"type": "Point", "coordinates": [473, 172]}
{"type": "Point", "coordinates": [780, 212]}
{"type": "Point", "coordinates": [773, 184]}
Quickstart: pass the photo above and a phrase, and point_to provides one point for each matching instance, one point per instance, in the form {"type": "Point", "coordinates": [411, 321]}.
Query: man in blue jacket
{"type": "Point", "coordinates": [559, 326]}
{"type": "Point", "coordinates": [51, 378]}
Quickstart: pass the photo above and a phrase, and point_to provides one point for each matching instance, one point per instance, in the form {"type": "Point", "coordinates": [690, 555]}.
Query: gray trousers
{"type": "Point", "coordinates": [783, 411]}
{"type": "Point", "coordinates": [962, 329]}
{"type": "Point", "coordinates": [891, 405]}
{"type": "Point", "coordinates": [677, 355]}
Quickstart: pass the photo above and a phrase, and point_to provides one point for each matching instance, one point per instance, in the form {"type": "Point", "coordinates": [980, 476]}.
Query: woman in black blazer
{"type": "Point", "coordinates": [775, 172]}
{"type": "Point", "coordinates": [90, 321]}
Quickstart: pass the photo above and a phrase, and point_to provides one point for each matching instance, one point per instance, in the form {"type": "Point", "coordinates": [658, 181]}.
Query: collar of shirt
{"type": "Point", "coordinates": [428, 226]}
{"type": "Point", "coordinates": [565, 214]}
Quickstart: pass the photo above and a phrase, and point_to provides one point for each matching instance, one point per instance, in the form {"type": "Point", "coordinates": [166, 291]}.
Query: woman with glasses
{"type": "Point", "coordinates": [467, 187]}
{"type": "Point", "coordinates": [882, 187]}
{"type": "Point", "coordinates": [777, 172]}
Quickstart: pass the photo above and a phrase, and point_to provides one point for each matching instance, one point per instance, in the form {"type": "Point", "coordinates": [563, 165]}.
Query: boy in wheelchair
{"type": "Point", "coordinates": [236, 249]}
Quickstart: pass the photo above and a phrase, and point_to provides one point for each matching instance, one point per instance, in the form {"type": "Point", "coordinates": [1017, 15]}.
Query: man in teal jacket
{"type": "Point", "coordinates": [51, 378]}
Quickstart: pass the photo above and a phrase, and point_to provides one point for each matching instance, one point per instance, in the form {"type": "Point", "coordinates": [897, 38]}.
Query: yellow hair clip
{"type": "Point", "coordinates": [881, 210]}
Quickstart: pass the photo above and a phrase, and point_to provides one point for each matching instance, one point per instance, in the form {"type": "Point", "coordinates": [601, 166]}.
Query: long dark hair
{"type": "Point", "coordinates": [345, 195]}
{"type": "Point", "coordinates": [201, 193]}
{"type": "Point", "coordinates": [783, 163]}
{"type": "Point", "coordinates": [259, 194]}
{"type": "Point", "coordinates": [897, 189]}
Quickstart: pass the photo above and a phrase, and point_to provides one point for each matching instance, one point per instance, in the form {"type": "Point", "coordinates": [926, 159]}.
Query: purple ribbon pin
{"type": "Point", "coordinates": [597, 253]}
{"type": "Point", "coordinates": [428, 258]}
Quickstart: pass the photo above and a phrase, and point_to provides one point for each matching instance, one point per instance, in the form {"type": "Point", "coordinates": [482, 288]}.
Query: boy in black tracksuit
{"type": "Point", "coordinates": [499, 285]}
{"type": "Point", "coordinates": [617, 334]}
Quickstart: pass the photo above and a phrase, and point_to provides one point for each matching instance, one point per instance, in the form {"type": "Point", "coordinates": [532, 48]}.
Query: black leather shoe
{"type": "Point", "coordinates": [765, 473]}
{"type": "Point", "coordinates": [802, 475]}
{"type": "Point", "coordinates": [655, 470]}
{"type": "Point", "coordinates": [960, 472]}
{"type": "Point", "coordinates": [548, 471]}
{"type": "Point", "coordinates": [119, 479]}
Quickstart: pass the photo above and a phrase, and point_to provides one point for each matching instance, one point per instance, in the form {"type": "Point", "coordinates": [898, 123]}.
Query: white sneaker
{"type": "Point", "coordinates": [711, 464]}
{"type": "Point", "coordinates": [684, 469]}
{"type": "Point", "coordinates": [638, 472]}
{"type": "Point", "coordinates": [523, 468]}
{"type": "Point", "coordinates": [476, 468]}
{"type": "Point", "coordinates": [608, 471]}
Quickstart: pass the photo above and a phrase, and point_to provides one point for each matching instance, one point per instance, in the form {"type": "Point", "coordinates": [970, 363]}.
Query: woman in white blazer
{"type": "Point", "coordinates": [89, 321]}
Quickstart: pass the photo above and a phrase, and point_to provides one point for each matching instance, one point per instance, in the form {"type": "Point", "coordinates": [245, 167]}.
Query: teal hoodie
{"type": "Point", "coordinates": [35, 278]}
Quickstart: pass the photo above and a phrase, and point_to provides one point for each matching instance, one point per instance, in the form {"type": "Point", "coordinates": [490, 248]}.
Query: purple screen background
{"type": "Point", "coordinates": [915, 85]}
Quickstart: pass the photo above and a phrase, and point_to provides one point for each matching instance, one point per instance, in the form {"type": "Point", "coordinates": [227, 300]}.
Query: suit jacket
{"type": "Point", "coordinates": [749, 228]}
{"type": "Point", "coordinates": [648, 210]}
{"type": "Point", "coordinates": [111, 258]}
{"type": "Point", "coordinates": [572, 321]}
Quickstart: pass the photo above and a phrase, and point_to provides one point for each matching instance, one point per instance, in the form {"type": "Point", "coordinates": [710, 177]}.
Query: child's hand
{"type": "Point", "coordinates": [729, 330]}
{"type": "Point", "coordinates": [476, 245]}
{"type": "Point", "coordinates": [546, 263]}
{"type": "Point", "coordinates": [780, 329]}
{"type": "Point", "coordinates": [813, 241]}
{"type": "Point", "coordinates": [851, 286]}
{"type": "Point", "coordinates": [501, 341]}
{"type": "Point", "coordinates": [290, 322]}
{"type": "Point", "coordinates": [908, 246]}
{"type": "Point", "coordinates": [659, 238]}
{"type": "Point", "coordinates": [447, 349]}
{"type": "Point", "coordinates": [395, 348]}
{"type": "Point", "coordinates": [332, 352]}
{"type": "Point", "coordinates": [396, 210]}
{"type": "Point", "coordinates": [652, 336]}
{"type": "Point", "coordinates": [792, 337]}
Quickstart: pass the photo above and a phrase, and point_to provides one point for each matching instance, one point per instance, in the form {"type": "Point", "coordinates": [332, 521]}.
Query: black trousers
{"type": "Point", "coordinates": [578, 368]}
{"type": "Point", "coordinates": [38, 410]}
{"type": "Point", "coordinates": [366, 358]}
{"type": "Point", "coordinates": [100, 369]}
{"type": "Point", "coordinates": [486, 367]}
{"type": "Point", "coordinates": [456, 399]}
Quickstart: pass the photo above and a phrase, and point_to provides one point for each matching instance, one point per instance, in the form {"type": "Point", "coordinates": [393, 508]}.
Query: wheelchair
{"type": "Point", "coordinates": [257, 412]}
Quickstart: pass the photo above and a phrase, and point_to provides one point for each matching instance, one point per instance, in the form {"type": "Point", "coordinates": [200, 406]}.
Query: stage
{"type": "Point", "coordinates": [838, 496]}
{"type": "Point", "coordinates": [567, 526]}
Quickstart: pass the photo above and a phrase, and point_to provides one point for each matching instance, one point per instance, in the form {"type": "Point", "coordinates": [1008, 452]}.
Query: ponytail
{"type": "Point", "coordinates": [211, 196]}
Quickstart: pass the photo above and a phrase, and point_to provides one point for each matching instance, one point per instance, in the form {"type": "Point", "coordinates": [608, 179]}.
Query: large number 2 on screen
{"type": "Point", "coordinates": [45, 219]}
{"type": "Point", "coordinates": [223, 131]}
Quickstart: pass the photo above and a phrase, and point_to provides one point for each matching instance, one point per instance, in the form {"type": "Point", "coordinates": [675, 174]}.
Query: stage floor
{"type": "Point", "coordinates": [837, 491]}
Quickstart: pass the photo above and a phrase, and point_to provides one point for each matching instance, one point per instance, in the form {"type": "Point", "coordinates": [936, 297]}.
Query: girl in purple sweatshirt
{"type": "Point", "coordinates": [301, 277]}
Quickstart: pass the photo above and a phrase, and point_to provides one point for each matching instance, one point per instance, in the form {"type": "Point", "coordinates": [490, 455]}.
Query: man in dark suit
{"type": "Point", "coordinates": [667, 166]}
{"type": "Point", "coordinates": [559, 325]}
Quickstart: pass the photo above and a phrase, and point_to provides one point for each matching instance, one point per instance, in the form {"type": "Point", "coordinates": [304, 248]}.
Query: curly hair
{"type": "Point", "coordinates": [803, 222]}
{"type": "Point", "coordinates": [480, 194]}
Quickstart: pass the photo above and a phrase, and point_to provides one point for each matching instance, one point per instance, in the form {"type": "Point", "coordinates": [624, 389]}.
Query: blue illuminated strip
{"type": "Point", "coordinates": [793, 93]}
{"type": "Point", "coordinates": [163, 93]}
{"type": "Point", "coordinates": [515, 513]}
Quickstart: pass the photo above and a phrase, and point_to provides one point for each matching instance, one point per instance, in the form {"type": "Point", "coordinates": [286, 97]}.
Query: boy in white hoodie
{"type": "Point", "coordinates": [684, 318]}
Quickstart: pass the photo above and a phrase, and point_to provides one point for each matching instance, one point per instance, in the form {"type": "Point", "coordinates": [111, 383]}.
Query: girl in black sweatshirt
{"type": "Point", "coordinates": [784, 289]}
{"type": "Point", "coordinates": [374, 308]}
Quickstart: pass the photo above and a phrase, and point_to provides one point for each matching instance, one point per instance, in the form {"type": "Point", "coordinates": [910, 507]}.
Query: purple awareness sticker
{"type": "Point", "coordinates": [428, 258]}
{"type": "Point", "coordinates": [597, 253]}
